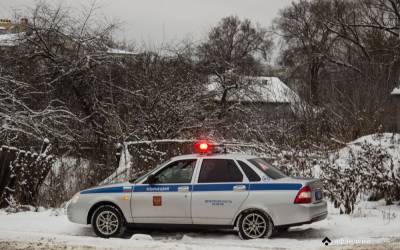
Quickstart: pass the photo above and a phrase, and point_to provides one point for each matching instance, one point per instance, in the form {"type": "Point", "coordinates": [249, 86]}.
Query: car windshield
{"type": "Point", "coordinates": [267, 168]}
{"type": "Point", "coordinates": [139, 179]}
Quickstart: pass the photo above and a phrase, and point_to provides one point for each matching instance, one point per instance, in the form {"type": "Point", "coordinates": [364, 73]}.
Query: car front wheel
{"type": "Point", "coordinates": [108, 221]}
{"type": "Point", "coordinates": [255, 225]}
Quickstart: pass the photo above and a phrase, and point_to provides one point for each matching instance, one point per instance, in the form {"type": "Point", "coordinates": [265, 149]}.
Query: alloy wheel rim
{"type": "Point", "coordinates": [107, 222]}
{"type": "Point", "coordinates": [254, 225]}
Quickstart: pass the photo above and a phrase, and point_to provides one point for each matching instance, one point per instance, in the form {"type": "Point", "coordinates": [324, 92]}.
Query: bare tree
{"type": "Point", "coordinates": [351, 54]}
{"type": "Point", "coordinates": [234, 48]}
{"type": "Point", "coordinates": [56, 85]}
{"type": "Point", "coordinates": [21, 121]}
{"type": "Point", "coordinates": [307, 42]}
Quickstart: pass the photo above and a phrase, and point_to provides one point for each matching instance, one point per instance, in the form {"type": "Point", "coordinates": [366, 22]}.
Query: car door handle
{"type": "Point", "coordinates": [183, 189]}
{"type": "Point", "coordinates": [239, 188]}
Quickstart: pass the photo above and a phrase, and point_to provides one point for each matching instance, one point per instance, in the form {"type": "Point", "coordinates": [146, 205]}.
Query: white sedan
{"type": "Point", "coordinates": [203, 190]}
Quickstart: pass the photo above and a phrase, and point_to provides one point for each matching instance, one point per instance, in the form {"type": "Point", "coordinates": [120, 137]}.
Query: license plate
{"type": "Point", "coordinates": [318, 195]}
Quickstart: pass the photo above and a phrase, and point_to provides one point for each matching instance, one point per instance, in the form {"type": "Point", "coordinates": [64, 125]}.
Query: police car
{"type": "Point", "coordinates": [210, 189]}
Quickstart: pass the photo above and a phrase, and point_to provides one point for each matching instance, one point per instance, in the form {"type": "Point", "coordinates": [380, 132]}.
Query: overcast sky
{"type": "Point", "coordinates": [156, 21]}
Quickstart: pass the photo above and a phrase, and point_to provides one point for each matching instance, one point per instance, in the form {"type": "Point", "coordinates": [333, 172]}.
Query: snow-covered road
{"type": "Point", "coordinates": [372, 226]}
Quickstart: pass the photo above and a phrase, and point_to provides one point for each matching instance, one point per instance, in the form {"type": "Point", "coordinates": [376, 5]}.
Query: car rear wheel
{"type": "Point", "coordinates": [108, 221]}
{"type": "Point", "coordinates": [255, 225]}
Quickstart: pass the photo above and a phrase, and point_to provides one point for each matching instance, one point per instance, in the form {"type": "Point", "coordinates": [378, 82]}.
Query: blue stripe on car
{"type": "Point", "coordinates": [197, 187]}
{"type": "Point", "coordinates": [275, 186]}
{"type": "Point", "coordinates": [157, 188]}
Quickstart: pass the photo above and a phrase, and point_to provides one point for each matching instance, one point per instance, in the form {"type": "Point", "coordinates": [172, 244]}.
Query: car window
{"type": "Point", "coordinates": [219, 170]}
{"type": "Point", "coordinates": [142, 177]}
{"type": "Point", "coordinates": [267, 168]}
{"type": "Point", "coordinates": [176, 172]}
{"type": "Point", "coordinates": [250, 173]}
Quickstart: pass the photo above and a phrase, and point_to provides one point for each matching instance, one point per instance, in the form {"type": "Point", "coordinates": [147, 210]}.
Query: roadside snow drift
{"type": "Point", "coordinates": [372, 223]}
{"type": "Point", "coordinates": [386, 141]}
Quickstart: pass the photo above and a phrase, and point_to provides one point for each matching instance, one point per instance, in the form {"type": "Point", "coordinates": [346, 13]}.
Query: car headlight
{"type": "Point", "coordinates": [75, 198]}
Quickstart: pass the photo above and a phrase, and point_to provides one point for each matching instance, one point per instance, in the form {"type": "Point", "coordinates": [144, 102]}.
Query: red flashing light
{"type": "Point", "coordinates": [202, 147]}
{"type": "Point", "coordinates": [303, 196]}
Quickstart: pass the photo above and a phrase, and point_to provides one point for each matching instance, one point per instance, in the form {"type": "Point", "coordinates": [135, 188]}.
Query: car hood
{"type": "Point", "coordinates": [109, 186]}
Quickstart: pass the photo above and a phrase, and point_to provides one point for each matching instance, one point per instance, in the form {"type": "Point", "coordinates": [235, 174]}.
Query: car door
{"type": "Point", "coordinates": [218, 193]}
{"type": "Point", "coordinates": [167, 200]}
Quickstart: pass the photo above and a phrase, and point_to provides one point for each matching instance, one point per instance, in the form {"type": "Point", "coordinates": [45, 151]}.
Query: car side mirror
{"type": "Point", "coordinates": [151, 179]}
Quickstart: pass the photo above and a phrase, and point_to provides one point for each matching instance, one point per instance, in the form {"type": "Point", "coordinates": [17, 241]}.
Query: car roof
{"type": "Point", "coordinates": [215, 156]}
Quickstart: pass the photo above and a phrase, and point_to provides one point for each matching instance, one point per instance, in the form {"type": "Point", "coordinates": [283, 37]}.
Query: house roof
{"type": "Point", "coordinates": [11, 39]}
{"type": "Point", "coordinates": [258, 89]}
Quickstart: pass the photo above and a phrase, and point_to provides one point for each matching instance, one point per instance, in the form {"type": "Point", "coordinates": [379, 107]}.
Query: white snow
{"type": "Point", "coordinates": [387, 141]}
{"type": "Point", "coordinates": [119, 52]}
{"type": "Point", "coordinates": [396, 91]}
{"type": "Point", "coordinates": [141, 237]}
{"type": "Point", "coordinates": [372, 223]}
{"type": "Point", "coordinates": [48, 221]}
{"type": "Point", "coordinates": [124, 166]}
{"type": "Point", "coordinates": [9, 40]}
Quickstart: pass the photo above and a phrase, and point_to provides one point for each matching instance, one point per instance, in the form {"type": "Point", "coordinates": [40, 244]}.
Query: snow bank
{"type": "Point", "coordinates": [396, 91]}
{"type": "Point", "coordinates": [387, 141]}
{"type": "Point", "coordinates": [373, 223]}
{"type": "Point", "coordinates": [49, 221]}
{"type": "Point", "coordinates": [366, 169]}
{"type": "Point", "coordinates": [141, 237]}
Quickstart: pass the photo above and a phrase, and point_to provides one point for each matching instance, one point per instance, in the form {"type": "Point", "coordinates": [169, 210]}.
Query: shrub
{"type": "Point", "coordinates": [369, 171]}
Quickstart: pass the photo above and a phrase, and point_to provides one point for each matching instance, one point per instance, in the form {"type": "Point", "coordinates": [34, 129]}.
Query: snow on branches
{"type": "Point", "coordinates": [22, 174]}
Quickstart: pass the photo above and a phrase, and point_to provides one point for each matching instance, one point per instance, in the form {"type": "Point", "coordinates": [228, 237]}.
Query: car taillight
{"type": "Point", "coordinates": [303, 196]}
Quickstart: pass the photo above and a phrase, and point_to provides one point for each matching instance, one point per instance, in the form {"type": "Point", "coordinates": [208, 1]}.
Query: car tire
{"type": "Point", "coordinates": [255, 225]}
{"type": "Point", "coordinates": [108, 222]}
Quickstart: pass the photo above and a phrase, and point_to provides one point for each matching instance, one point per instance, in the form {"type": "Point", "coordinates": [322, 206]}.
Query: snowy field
{"type": "Point", "coordinates": [373, 226]}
